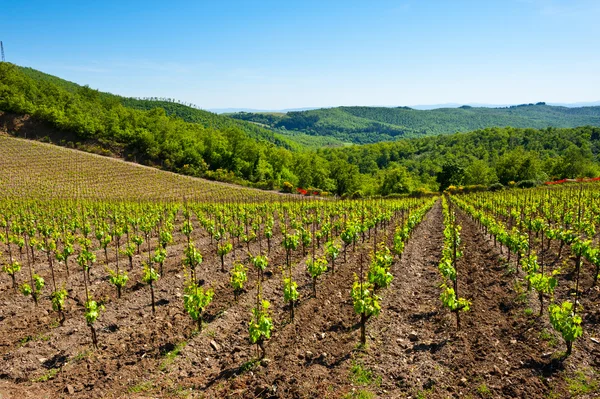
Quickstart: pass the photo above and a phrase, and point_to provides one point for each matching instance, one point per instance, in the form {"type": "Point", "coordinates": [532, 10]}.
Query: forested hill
{"type": "Point", "coordinates": [186, 112]}
{"type": "Point", "coordinates": [214, 147]}
{"type": "Point", "coordinates": [361, 125]}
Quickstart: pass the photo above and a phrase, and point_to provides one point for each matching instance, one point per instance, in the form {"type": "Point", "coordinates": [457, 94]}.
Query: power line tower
{"type": "Point", "coordinates": [2, 51]}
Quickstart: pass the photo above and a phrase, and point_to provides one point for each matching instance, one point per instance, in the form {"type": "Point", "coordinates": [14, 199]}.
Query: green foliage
{"type": "Point", "coordinates": [196, 299]}
{"type": "Point", "coordinates": [290, 290]}
{"type": "Point", "coordinates": [360, 394]}
{"type": "Point", "coordinates": [92, 311]}
{"type": "Point", "coordinates": [224, 249]}
{"type": "Point", "coordinates": [58, 299]}
{"type": "Point", "coordinates": [290, 242]}
{"type": "Point", "coordinates": [180, 138]}
{"type": "Point", "coordinates": [581, 384]}
{"type": "Point", "coordinates": [192, 256]}
{"type": "Point", "coordinates": [362, 125]}
{"type": "Point", "coordinates": [349, 234]}
{"type": "Point", "coordinates": [332, 250]}
{"type": "Point", "coordinates": [150, 274]}
{"type": "Point", "coordinates": [86, 258]}
{"type": "Point", "coordinates": [176, 137]}
{"type": "Point", "coordinates": [238, 277]}
{"type": "Point", "coordinates": [165, 238]}
{"type": "Point", "coordinates": [51, 374]}
{"type": "Point", "coordinates": [452, 173]}
{"type": "Point", "coordinates": [483, 390]}
{"type": "Point", "coordinates": [564, 320]}
{"type": "Point", "coordinates": [11, 268]}
{"type": "Point", "coordinates": [159, 256]}
{"type": "Point", "coordinates": [449, 300]}
{"type": "Point", "coordinates": [317, 267]}
{"type": "Point", "coordinates": [260, 262]}
{"type": "Point", "coordinates": [260, 325]}
{"type": "Point", "coordinates": [364, 299]}
{"type": "Point", "coordinates": [137, 240]}
{"type": "Point", "coordinates": [118, 279]}
{"type": "Point", "coordinates": [363, 376]}
{"type": "Point", "coordinates": [129, 250]}
{"type": "Point", "coordinates": [379, 272]}
{"type": "Point", "coordinates": [480, 157]}
{"type": "Point", "coordinates": [287, 187]}
{"type": "Point", "coordinates": [35, 291]}
{"type": "Point", "coordinates": [544, 284]}
{"type": "Point", "coordinates": [396, 180]}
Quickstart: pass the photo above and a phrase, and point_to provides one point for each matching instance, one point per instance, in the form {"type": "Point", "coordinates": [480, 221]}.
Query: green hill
{"type": "Point", "coordinates": [361, 125]}
{"type": "Point", "coordinates": [148, 132]}
{"type": "Point", "coordinates": [172, 108]}
{"type": "Point", "coordinates": [483, 156]}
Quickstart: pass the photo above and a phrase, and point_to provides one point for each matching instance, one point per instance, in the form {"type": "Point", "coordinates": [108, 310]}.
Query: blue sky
{"type": "Point", "coordinates": [286, 54]}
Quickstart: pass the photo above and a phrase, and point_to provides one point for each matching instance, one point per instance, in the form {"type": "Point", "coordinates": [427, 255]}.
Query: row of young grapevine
{"type": "Point", "coordinates": [522, 225]}
{"type": "Point", "coordinates": [451, 253]}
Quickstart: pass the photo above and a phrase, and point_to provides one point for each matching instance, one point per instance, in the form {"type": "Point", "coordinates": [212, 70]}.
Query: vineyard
{"type": "Point", "coordinates": [124, 281]}
{"type": "Point", "coordinates": [37, 170]}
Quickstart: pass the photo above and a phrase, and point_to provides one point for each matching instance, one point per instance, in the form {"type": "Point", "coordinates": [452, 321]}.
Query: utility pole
{"type": "Point", "coordinates": [2, 51]}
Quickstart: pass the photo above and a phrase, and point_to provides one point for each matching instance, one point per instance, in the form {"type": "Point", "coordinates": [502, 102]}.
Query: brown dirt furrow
{"type": "Point", "coordinates": [409, 331]}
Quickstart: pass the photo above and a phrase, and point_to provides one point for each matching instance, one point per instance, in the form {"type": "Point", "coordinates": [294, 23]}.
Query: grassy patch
{"type": "Point", "coordinates": [581, 384]}
{"type": "Point", "coordinates": [484, 391]}
{"type": "Point", "coordinates": [424, 394]}
{"type": "Point", "coordinates": [81, 355]}
{"type": "Point", "coordinates": [547, 336]}
{"type": "Point", "coordinates": [249, 365]}
{"type": "Point", "coordinates": [37, 338]}
{"type": "Point", "coordinates": [141, 387]}
{"type": "Point", "coordinates": [520, 291]}
{"type": "Point", "coordinates": [559, 355]}
{"type": "Point", "coordinates": [551, 394]}
{"type": "Point", "coordinates": [179, 391]}
{"type": "Point", "coordinates": [360, 394]}
{"type": "Point", "coordinates": [170, 356]}
{"type": "Point", "coordinates": [48, 376]}
{"type": "Point", "coordinates": [528, 312]}
{"type": "Point", "coordinates": [363, 376]}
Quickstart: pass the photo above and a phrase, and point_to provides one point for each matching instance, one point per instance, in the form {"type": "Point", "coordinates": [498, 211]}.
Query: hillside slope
{"type": "Point", "coordinates": [220, 148]}
{"type": "Point", "coordinates": [374, 124]}
{"type": "Point", "coordinates": [171, 107]}
{"type": "Point", "coordinates": [31, 169]}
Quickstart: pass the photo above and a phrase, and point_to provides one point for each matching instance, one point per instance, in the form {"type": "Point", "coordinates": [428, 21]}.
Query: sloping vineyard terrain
{"type": "Point", "coordinates": [32, 169]}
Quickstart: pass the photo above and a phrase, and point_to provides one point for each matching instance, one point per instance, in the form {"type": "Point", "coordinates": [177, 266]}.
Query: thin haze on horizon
{"type": "Point", "coordinates": [278, 55]}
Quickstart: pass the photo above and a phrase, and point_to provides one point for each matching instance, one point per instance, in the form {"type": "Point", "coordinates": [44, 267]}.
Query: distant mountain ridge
{"type": "Point", "coordinates": [360, 125]}
{"type": "Point", "coordinates": [415, 106]}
